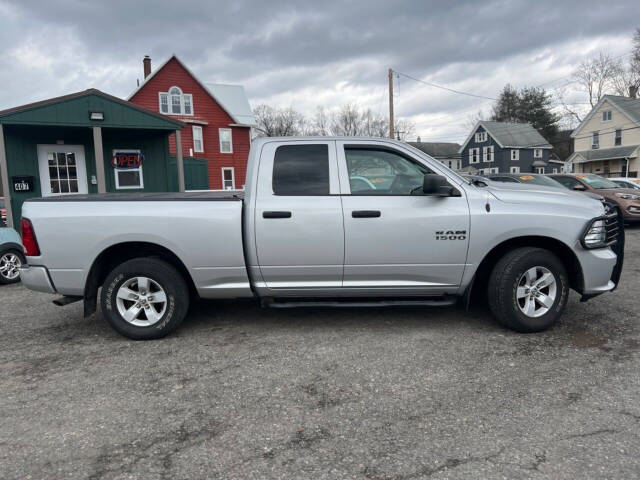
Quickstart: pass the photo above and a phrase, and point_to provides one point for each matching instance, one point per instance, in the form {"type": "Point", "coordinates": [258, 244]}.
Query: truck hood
{"type": "Point", "coordinates": [527, 193]}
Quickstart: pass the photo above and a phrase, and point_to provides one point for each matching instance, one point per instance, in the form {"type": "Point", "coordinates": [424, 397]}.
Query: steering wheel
{"type": "Point", "coordinates": [402, 184]}
{"type": "Point", "coordinates": [361, 180]}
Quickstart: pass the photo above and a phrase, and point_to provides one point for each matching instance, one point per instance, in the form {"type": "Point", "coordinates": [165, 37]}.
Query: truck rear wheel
{"type": "Point", "coordinates": [528, 289]}
{"type": "Point", "coordinates": [144, 299]}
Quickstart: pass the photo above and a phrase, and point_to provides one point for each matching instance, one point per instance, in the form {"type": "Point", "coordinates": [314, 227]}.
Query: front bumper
{"type": "Point", "coordinates": [36, 278]}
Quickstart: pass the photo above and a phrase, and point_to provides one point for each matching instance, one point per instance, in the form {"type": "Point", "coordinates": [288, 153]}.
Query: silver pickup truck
{"type": "Point", "coordinates": [325, 221]}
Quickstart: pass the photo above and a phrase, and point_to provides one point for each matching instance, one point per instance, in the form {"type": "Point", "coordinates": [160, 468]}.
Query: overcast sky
{"type": "Point", "coordinates": [328, 53]}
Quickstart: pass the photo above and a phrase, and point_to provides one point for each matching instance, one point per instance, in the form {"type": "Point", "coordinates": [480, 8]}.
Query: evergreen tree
{"type": "Point", "coordinates": [528, 105]}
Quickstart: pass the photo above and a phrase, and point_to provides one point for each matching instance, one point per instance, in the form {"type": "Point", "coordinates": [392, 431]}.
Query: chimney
{"type": "Point", "coordinates": [146, 65]}
{"type": "Point", "coordinates": [633, 91]}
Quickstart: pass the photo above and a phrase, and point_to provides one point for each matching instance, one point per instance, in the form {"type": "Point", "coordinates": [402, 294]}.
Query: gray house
{"type": "Point", "coordinates": [445, 152]}
{"type": "Point", "coordinates": [501, 147]}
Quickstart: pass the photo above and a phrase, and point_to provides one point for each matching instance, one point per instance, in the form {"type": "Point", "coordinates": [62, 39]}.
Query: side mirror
{"type": "Point", "coordinates": [580, 188]}
{"type": "Point", "coordinates": [437, 186]}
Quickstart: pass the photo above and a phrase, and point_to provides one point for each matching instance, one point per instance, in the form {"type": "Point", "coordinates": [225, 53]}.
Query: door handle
{"type": "Point", "coordinates": [276, 214]}
{"type": "Point", "coordinates": [365, 213]}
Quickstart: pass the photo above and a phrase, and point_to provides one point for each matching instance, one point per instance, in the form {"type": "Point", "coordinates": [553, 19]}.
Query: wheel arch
{"type": "Point", "coordinates": [119, 253]}
{"type": "Point", "coordinates": [564, 253]}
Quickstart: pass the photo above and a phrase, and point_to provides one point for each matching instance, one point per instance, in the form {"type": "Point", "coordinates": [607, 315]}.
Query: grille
{"type": "Point", "coordinates": [612, 224]}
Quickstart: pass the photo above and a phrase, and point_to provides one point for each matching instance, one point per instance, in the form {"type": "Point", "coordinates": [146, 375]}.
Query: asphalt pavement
{"type": "Point", "coordinates": [241, 392]}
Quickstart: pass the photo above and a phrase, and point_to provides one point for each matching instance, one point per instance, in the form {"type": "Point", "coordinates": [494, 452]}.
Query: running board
{"type": "Point", "coordinates": [355, 303]}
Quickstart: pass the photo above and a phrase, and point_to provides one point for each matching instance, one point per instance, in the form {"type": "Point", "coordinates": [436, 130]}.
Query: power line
{"type": "Point", "coordinates": [460, 92]}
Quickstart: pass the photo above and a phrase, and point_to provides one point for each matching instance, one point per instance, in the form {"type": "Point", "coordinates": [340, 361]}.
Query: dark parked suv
{"type": "Point", "coordinates": [625, 199]}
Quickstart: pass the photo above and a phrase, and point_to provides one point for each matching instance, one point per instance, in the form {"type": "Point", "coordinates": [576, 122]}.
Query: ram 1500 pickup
{"type": "Point", "coordinates": [325, 221]}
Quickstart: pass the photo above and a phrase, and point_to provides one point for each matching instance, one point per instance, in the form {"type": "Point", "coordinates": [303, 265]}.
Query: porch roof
{"type": "Point", "coordinates": [605, 154]}
{"type": "Point", "coordinates": [74, 110]}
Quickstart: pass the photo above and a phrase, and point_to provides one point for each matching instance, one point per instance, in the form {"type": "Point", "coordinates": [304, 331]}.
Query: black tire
{"type": "Point", "coordinates": [167, 277]}
{"type": "Point", "coordinates": [503, 288]}
{"type": "Point", "coordinates": [4, 279]}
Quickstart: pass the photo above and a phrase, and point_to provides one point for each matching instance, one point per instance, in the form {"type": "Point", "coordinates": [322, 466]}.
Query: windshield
{"type": "Point", "coordinates": [539, 180]}
{"type": "Point", "coordinates": [597, 182]}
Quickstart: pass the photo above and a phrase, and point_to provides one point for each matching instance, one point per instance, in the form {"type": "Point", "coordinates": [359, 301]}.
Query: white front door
{"type": "Point", "coordinates": [63, 169]}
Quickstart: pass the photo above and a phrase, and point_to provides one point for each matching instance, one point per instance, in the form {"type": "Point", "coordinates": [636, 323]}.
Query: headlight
{"type": "Point", "coordinates": [628, 196]}
{"type": "Point", "coordinates": [595, 235]}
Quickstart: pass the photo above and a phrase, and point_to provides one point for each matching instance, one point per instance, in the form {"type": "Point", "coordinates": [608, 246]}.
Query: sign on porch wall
{"type": "Point", "coordinates": [125, 159]}
{"type": "Point", "coordinates": [22, 184]}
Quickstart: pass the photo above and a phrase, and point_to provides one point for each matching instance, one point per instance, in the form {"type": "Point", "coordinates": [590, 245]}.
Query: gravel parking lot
{"type": "Point", "coordinates": [240, 392]}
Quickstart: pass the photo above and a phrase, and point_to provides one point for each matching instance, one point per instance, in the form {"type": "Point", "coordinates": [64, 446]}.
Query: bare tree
{"type": "Point", "coordinates": [348, 120]}
{"type": "Point", "coordinates": [403, 129]}
{"type": "Point", "coordinates": [475, 118]}
{"type": "Point", "coordinates": [597, 76]}
{"type": "Point", "coordinates": [278, 122]}
{"type": "Point", "coordinates": [319, 125]}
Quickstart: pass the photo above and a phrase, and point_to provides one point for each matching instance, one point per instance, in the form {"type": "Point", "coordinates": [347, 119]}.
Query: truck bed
{"type": "Point", "coordinates": [205, 234]}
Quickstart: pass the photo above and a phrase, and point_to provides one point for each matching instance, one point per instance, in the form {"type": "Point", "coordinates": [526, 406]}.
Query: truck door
{"type": "Point", "coordinates": [395, 238]}
{"type": "Point", "coordinates": [298, 216]}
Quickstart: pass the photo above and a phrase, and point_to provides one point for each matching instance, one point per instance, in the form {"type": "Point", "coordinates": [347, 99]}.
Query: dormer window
{"type": "Point", "coordinates": [606, 115]}
{"type": "Point", "coordinates": [481, 137]}
{"type": "Point", "coordinates": [174, 102]}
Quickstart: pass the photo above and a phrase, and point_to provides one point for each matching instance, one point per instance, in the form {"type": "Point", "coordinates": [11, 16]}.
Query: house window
{"type": "Point", "coordinates": [481, 137]}
{"type": "Point", "coordinates": [514, 169]}
{"type": "Point", "coordinates": [164, 103]}
{"type": "Point", "coordinates": [555, 170]}
{"type": "Point", "coordinates": [595, 140]}
{"type": "Point", "coordinates": [515, 154]}
{"type": "Point", "coordinates": [226, 144]}
{"type": "Point", "coordinates": [174, 102]}
{"type": "Point", "coordinates": [128, 178]}
{"type": "Point", "coordinates": [539, 169]}
{"type": "Point", "coordinates": [228, 179]}
{"type": "Point", "coordinates": [537, 153]}
{"type": "Point", "coordinates": [606, 115]}
{"type": "Point", "coordinates": [198, 145]}
{"type": "Point", "coordinates": [474, 155]}
{"type": "Point", "coordinates": [487, 154]}
{"type": "Point", "coordinates": [618, 137]}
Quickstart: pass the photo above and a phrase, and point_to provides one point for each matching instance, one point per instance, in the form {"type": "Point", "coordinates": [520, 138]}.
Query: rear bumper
{"type": "Point", "coordinates": [36, 278]}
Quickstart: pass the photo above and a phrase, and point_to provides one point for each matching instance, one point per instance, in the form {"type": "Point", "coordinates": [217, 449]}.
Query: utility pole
{"type": "Point", "coordinates": [391, 120]}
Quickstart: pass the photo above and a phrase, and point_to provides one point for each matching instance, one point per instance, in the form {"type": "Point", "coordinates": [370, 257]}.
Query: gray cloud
{"type": "Point", "coordinates": [302, 55]}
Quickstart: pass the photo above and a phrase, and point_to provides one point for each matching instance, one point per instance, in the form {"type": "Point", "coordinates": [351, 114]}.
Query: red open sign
{"type": "Point", "coordinates": [123, 160]}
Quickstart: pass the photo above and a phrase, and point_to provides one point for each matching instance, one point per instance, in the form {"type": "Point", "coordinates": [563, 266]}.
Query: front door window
{"type": "Point", "coordinates": [62, 169]}
{"type": "Point", "coordinates": [63, 173]}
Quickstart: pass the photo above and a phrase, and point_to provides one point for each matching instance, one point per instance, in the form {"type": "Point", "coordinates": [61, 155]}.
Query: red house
{"type": "Point", "coordinates": [219, 119]}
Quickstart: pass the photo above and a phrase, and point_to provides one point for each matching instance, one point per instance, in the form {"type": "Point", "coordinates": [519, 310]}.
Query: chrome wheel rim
{"type": "Point", "coordinates": [536, 292]}
{"type": "Point", "coordinates": [141, 301]}
{"type": "Point", "coordinates": [9, 266]}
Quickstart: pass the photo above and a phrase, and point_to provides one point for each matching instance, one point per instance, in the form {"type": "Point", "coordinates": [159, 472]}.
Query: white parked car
{"type": "Point", "coordinates": [624, 182]}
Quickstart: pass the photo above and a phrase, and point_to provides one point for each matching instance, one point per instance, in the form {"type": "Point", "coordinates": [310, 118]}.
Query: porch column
{"type": "Point", "coordinates": [4, 175]}
{"type": "Point", "coordinates": [180, 162]}
{"type": "Point", "coordinates": [99, 156]}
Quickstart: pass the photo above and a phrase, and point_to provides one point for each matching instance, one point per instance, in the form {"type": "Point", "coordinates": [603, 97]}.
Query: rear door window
{"type": "Point", "coordinates": [301, 170]}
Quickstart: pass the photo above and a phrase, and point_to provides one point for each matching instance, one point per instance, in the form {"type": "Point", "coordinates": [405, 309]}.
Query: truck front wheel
{"type": "Point", "coordinates": [528, 289]}
{"type": "Point", "coordinates": [144, 298]}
